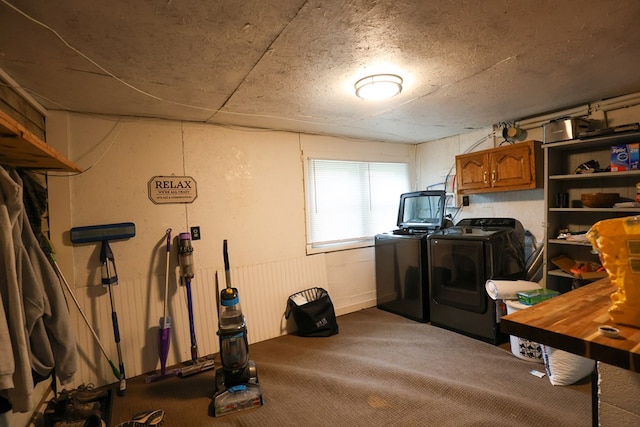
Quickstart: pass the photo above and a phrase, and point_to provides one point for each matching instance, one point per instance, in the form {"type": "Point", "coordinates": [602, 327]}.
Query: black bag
{"type": "Point", "coordinates": [313, 313]}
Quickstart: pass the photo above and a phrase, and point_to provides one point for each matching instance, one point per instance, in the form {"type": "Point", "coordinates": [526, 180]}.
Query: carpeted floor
{"type": "Point", "coordinates": [380, 370]}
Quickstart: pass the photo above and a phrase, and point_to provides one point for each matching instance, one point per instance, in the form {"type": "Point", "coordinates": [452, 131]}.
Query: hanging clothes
{"type": "Point", "coordinates": [36, 200]}
{"type": "Point", "coordinates": [15, 365]}
{"type": "Point", "coordinates": [38, 329]}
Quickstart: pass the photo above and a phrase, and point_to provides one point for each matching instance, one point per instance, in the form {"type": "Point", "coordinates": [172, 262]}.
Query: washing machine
{"type": "Point", "coordinates": [401, 260]}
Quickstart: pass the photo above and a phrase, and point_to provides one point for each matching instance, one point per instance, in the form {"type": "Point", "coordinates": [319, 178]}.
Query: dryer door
{"type": "Point", "coordinates": [457, 273]}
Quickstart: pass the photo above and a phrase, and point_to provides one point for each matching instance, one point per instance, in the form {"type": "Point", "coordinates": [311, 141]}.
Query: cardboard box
{"type": "Point", "coordinates": [634, 155]}
{"type": "Point", "coordinates": [619, 158]}
{"type": "Point", "coordinates": [536, 295]}
{"type": "Point", "coordinates": [567, 264]}
{"type": "Point", "coordinates": [625, 157]}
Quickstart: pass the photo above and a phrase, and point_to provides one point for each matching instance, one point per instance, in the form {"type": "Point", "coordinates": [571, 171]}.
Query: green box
{"type": "Point", "coordinates": [535, 296]}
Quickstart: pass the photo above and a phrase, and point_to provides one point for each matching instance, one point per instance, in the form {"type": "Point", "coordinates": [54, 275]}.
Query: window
{"type": "Point", "coordinates": [349, 202]}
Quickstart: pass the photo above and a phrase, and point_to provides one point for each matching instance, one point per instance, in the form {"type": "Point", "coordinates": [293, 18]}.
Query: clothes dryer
{"type": "Point", "coordinates": [461, 259]}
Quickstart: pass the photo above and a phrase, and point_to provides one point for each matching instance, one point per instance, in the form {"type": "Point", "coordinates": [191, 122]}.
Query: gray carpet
{"type": "Point", "coordinates": [380, 370]}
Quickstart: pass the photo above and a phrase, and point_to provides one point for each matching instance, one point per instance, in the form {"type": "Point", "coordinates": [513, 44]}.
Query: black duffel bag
{"type": "Point", "coordinates": [313, 313]}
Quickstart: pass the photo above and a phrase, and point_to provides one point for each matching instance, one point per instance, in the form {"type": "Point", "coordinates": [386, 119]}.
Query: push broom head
{"type": "Point", "coordinates": [100, 233]}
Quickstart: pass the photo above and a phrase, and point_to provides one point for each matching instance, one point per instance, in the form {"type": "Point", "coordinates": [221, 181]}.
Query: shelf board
{"type": "Point", "coordinates": [586, 210]}
{"type": "Point", "coordinates": [22, 149]}
{"type": "Point", "coordinates": [569, 242]}
{"type": "Point", "coordinates": [587, 143]}
{"type": "Point", "coordinates": [564, 274]}
{"type": "Point", "coordinates": [596, 175]}
{"type": "Point", "coordinates": [560, 273]}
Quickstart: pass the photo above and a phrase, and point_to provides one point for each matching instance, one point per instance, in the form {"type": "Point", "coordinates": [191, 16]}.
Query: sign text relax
{"type": "Point", "coordinates": [172, 189]}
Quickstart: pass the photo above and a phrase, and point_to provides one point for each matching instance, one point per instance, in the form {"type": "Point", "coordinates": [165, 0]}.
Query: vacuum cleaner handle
{"type": "Point", "coordinates": [227, 272]}
{"type": "Point", "coordinates": [166, 320]}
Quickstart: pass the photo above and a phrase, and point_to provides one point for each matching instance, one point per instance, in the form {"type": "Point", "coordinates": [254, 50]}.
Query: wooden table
{"type": "Point", "coordinates": [570, 322]}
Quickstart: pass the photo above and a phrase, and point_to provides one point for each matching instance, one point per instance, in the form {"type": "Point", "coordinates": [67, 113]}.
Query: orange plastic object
{"type": "Point", "coordinates": [582, 267]}
{"type": "Point", "coordinates": [617, 242]}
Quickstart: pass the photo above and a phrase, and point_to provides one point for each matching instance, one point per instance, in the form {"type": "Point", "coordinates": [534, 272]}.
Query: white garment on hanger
{"type": "Point", "coordinates": [37, 330]}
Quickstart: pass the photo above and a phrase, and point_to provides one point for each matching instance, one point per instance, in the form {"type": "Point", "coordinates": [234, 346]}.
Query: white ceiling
{"type": "Point", "coordinates": [291, 64]}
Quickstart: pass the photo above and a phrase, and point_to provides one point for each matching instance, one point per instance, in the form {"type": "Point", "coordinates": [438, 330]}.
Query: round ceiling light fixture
{"type": "Point", "coordinates": [378, 86]}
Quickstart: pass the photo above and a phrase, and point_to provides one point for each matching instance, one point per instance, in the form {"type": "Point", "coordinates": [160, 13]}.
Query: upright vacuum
{"type": "Point", "coordinates": [237, 385]}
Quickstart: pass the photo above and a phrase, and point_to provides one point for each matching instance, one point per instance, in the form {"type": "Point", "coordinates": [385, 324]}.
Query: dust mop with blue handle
{"type": "Point", "coordinates": [104, 233]}
{"type": "Point", "coordinates": [109, 279]}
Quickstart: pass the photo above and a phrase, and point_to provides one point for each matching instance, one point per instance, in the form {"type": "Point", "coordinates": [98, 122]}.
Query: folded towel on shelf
{"type": "Point", "coordinates": [507, 289]}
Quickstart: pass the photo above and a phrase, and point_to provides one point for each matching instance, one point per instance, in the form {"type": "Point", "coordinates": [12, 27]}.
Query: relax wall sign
{"type": "Point", "coordinates": [172, 189]}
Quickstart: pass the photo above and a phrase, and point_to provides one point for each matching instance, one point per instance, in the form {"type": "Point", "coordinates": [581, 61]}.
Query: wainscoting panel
{"type": "Point", "coordinates": [264, 290]}
{"type": "Point", "coordinates": [139, 305]}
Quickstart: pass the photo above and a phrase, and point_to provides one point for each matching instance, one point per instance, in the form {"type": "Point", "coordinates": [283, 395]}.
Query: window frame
{"type": "Point", "coordinates": [352, 243]}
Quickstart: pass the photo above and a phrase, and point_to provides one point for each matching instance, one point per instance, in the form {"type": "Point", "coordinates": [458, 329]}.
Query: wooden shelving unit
{"type": "Point", "coordinates": [22, 149]}
{"type": "Point", "coordinates": [560, 162]}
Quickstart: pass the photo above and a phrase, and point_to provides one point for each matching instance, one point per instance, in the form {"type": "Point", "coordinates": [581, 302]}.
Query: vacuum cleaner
{"type": "Point", "coordinates": [237, 385]}
{"type": "Point", "coordinates": [185, 258]}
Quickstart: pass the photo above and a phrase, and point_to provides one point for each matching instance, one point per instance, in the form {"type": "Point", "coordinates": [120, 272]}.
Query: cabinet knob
{"type": "Point", "coordinates": [484, 177]}
{"type": "Point", "coordinates": [493, 176]}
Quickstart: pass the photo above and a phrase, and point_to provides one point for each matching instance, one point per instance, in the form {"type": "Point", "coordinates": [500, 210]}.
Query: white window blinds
{"type": "Point", "coordinates": [349, 202]}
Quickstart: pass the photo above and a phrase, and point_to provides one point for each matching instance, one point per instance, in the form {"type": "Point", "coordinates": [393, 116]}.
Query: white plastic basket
{"type": "Point", "coordinates": [520, 347]}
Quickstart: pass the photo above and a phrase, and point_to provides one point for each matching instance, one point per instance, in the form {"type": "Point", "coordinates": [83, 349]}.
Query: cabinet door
{"type": "Point", "coordinates": [473, 171]}
{"type": "Point", "coordinates": [511, 166]}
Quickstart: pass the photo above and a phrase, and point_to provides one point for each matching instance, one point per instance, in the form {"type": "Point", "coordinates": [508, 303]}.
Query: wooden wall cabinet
{"type": "Point", "coordinates": [512, 167]}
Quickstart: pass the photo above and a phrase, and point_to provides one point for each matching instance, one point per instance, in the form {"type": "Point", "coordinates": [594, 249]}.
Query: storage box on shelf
{"type": "Point", "coordinates": [561, 159]}
{"type": "Point", "coordinates": [566, 128]}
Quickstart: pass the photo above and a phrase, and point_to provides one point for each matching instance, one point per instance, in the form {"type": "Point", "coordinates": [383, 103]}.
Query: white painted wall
{"type": "Point", "coordinates": [436, 160]}
{"type": "Point", "coordinates": [250, 192]}
{"type": "Point", "coordinates": [618, 388]}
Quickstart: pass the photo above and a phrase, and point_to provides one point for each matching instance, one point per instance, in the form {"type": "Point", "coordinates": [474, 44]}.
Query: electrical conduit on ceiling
{"type": "Point", "coordinates": [583, 110]}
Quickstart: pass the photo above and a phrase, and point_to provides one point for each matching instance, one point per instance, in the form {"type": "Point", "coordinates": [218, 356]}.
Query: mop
{"type": "Point", "coordinates": [104, 233]}
{"type": "Point", "coordinates": [165, 328]}
{"type": "Point", "coordinates": [185, 257]}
